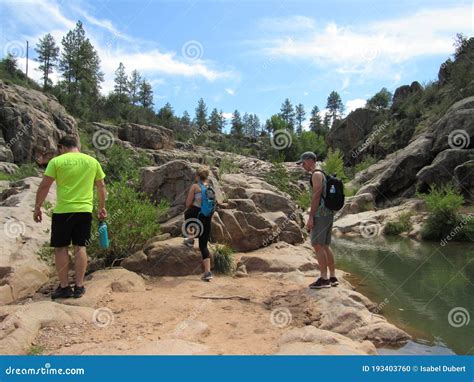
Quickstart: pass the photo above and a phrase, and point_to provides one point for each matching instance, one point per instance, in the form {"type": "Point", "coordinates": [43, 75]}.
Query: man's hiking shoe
{"type": "Point", "coordinates": [333, 281]}
{"type": "Point", "coordinates": [79, 291]}
{"type": "Point", "coordinates": [189, 243]}
{"type": "Point", "coordinates": [207, 276]}
{"type": "Point", "coordinates": [320, 283]}
{"type": "Point", "coordinates": [60, 292]}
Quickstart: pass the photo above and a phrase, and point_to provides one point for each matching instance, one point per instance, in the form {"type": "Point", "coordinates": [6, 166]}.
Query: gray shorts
{"type": "Point", "coordinates": [322, 230]}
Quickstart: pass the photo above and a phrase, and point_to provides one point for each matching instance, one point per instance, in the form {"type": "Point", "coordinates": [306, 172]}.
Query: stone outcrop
{"type": "Point", "coordinates": [254, 215]}
{"type": "Point", "coordinates": [310, 340]}
{"type": "Point", "coordinates": [31, 122]}
{"type": "Point", "coordinates": [148, 137]}
{"type": "Point", "coordinates": [21, 271]}
{"type": "Point", "coordinates": [349, 136]}
{"type": "Point", "coordinates": [165, 258]}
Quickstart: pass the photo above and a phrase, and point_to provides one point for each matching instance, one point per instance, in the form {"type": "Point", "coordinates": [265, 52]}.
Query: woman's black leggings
{"type": "Point", "coordinates": [193, 213]}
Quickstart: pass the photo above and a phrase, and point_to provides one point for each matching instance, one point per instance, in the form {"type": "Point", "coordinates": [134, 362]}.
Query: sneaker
{"type": "Point", "coordinates": [60, 292]}
{"type": "Point", "coordinates": [333, 281]}
{"type": "Point", "coordinates": [78, 291]}
{"type": "Point", "coordinates": [189, 242]}
{"type": "Point", "coordinates": [207, 276]}
{"type": "Point", "coordinates": [320, 283]}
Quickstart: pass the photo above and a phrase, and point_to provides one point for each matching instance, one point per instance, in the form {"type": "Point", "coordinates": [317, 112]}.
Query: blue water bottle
{"type": "Point", "coordinates": [103, 235]}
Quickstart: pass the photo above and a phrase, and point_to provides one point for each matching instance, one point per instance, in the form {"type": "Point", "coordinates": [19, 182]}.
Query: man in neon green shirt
{"type": "Point", "coordinates": [75, 174]}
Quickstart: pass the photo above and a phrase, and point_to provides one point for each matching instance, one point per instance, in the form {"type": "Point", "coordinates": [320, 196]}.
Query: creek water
{"type": "Point", "coordinates": [424, 288]}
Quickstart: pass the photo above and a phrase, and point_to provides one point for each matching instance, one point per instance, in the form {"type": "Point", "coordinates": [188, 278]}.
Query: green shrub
{"type": "Point", "coordinates": [366, 163]}
{"type": "Point", "coordinates": [401, 224]}
{"type": "Point", "coordinates": [124, 164]}
{"type": "Point", "coordinates": [227, 167]}
{"type": "Point", "coordinates": [334, 164]}
{"type": "Point", "coordinates": [443, 204]}
{"type": "Point", "coordinates": [35, 350]}
{"type": "Point", "coordinates": [224, 260]}
{"type": "Point", "coordinates": [131, 222]}
{"type": "Point", "coordinates": [24, 171]}
{"type": "Point", "coordinates": [304, 199]}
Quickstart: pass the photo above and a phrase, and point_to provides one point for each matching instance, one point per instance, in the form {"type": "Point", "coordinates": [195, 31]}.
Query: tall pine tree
{"type": "Point", "coordinates": [300, 117]}
{"type": "Point", "coordinates": [287, 113]}
{"type": "Point", "coordinates": [121, 81]}
{"type": "Point", "coordinates": [145, 94]}
{"type": "Point", "coordinates": [335, 106]}
{"type": "Point", "coordinates": [201, 113]}
{"type": "Point", "coordinates": [48, 54]}
{"type": "Point", "coordinates": [236, 124]}
{"type": "Point", "coordinates": [134, 86]}
{"type": "Point", "coordinates": [315, 121]}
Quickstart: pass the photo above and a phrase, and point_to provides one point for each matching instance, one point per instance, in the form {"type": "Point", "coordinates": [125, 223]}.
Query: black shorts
{"type": "Point", "coordinates": [72, 227]}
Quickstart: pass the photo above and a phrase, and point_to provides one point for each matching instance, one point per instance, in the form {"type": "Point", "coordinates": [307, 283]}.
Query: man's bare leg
{"type": "Point", "coordinates": [80, 265]}
{"type": "Point", "coordinates": [330, 260]}
{"type": "Point", "coordinates": [322, 260]}
{"type": "Point", "coordinates": [61, 260]}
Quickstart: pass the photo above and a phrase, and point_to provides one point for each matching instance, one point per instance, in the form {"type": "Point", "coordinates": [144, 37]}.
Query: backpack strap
{"type": "Point", "coordinates": [323, 194]}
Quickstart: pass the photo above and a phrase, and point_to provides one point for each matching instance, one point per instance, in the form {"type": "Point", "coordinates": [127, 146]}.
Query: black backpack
{"type": "Point", "coordinates": [334, 198]}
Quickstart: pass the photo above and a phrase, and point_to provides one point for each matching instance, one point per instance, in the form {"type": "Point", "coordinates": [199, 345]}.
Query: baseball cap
{"type": "Point", "coordinates": [307, 155]}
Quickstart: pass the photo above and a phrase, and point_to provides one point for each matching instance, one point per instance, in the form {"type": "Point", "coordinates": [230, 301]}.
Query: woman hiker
{"type": "Point", "coordinates": [200, 206]}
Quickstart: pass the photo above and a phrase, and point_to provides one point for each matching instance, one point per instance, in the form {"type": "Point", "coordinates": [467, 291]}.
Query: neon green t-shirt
{"type": "Point", "coordinates": [75, 174]}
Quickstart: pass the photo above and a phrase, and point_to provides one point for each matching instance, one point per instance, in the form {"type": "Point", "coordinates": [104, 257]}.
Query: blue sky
{"type": "Point", "coordinates": [251, 55]}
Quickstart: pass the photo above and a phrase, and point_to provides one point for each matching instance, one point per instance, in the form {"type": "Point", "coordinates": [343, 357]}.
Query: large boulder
{"type": "Point", "coordinates": [310, 340]}
{"type": "Point", "coordinates": [171, 182]}
{"type": "Point", "coordinates": [350, 134]}
{"type": "Point", "coordinates": [441, 170]}
{"type": "Point", "coordinates": [396, 174]}
{"type": "Point", "coordinates": [21, 323]}
{"type": "Point", "coordinates": [148, 137]}
{"type": "Point", "coordinates": [21, 270]}
{"type": "Point", "coordinates": [165, 258]}
{"type": "Point", "coordinates": [403, 92]}
{"type": "Point", "coordinates": [464, 179]}
{"type": "Point", "coordinates": [279, 257]}
{"type": "Point", "coordinates": [32, 122]}
{"type": "Point", "coordinates": [255, 214]}
{"type": "Point", "coordinates": [339, 310]}
{"type": "Point", "coordinates": [455, 130]}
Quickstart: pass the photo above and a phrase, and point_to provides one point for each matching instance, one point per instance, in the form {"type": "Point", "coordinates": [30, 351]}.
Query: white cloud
{"type": "Point", "coordinates": [354, 104]}
{"type": "Point", "coordinates": [227, 116]}
{"type": "Point", "coordinates": [230, 91]}
{"type": "Point", "coordinates": [40, 17]}
{"type": "Point", "coordinates": [358, 49]}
